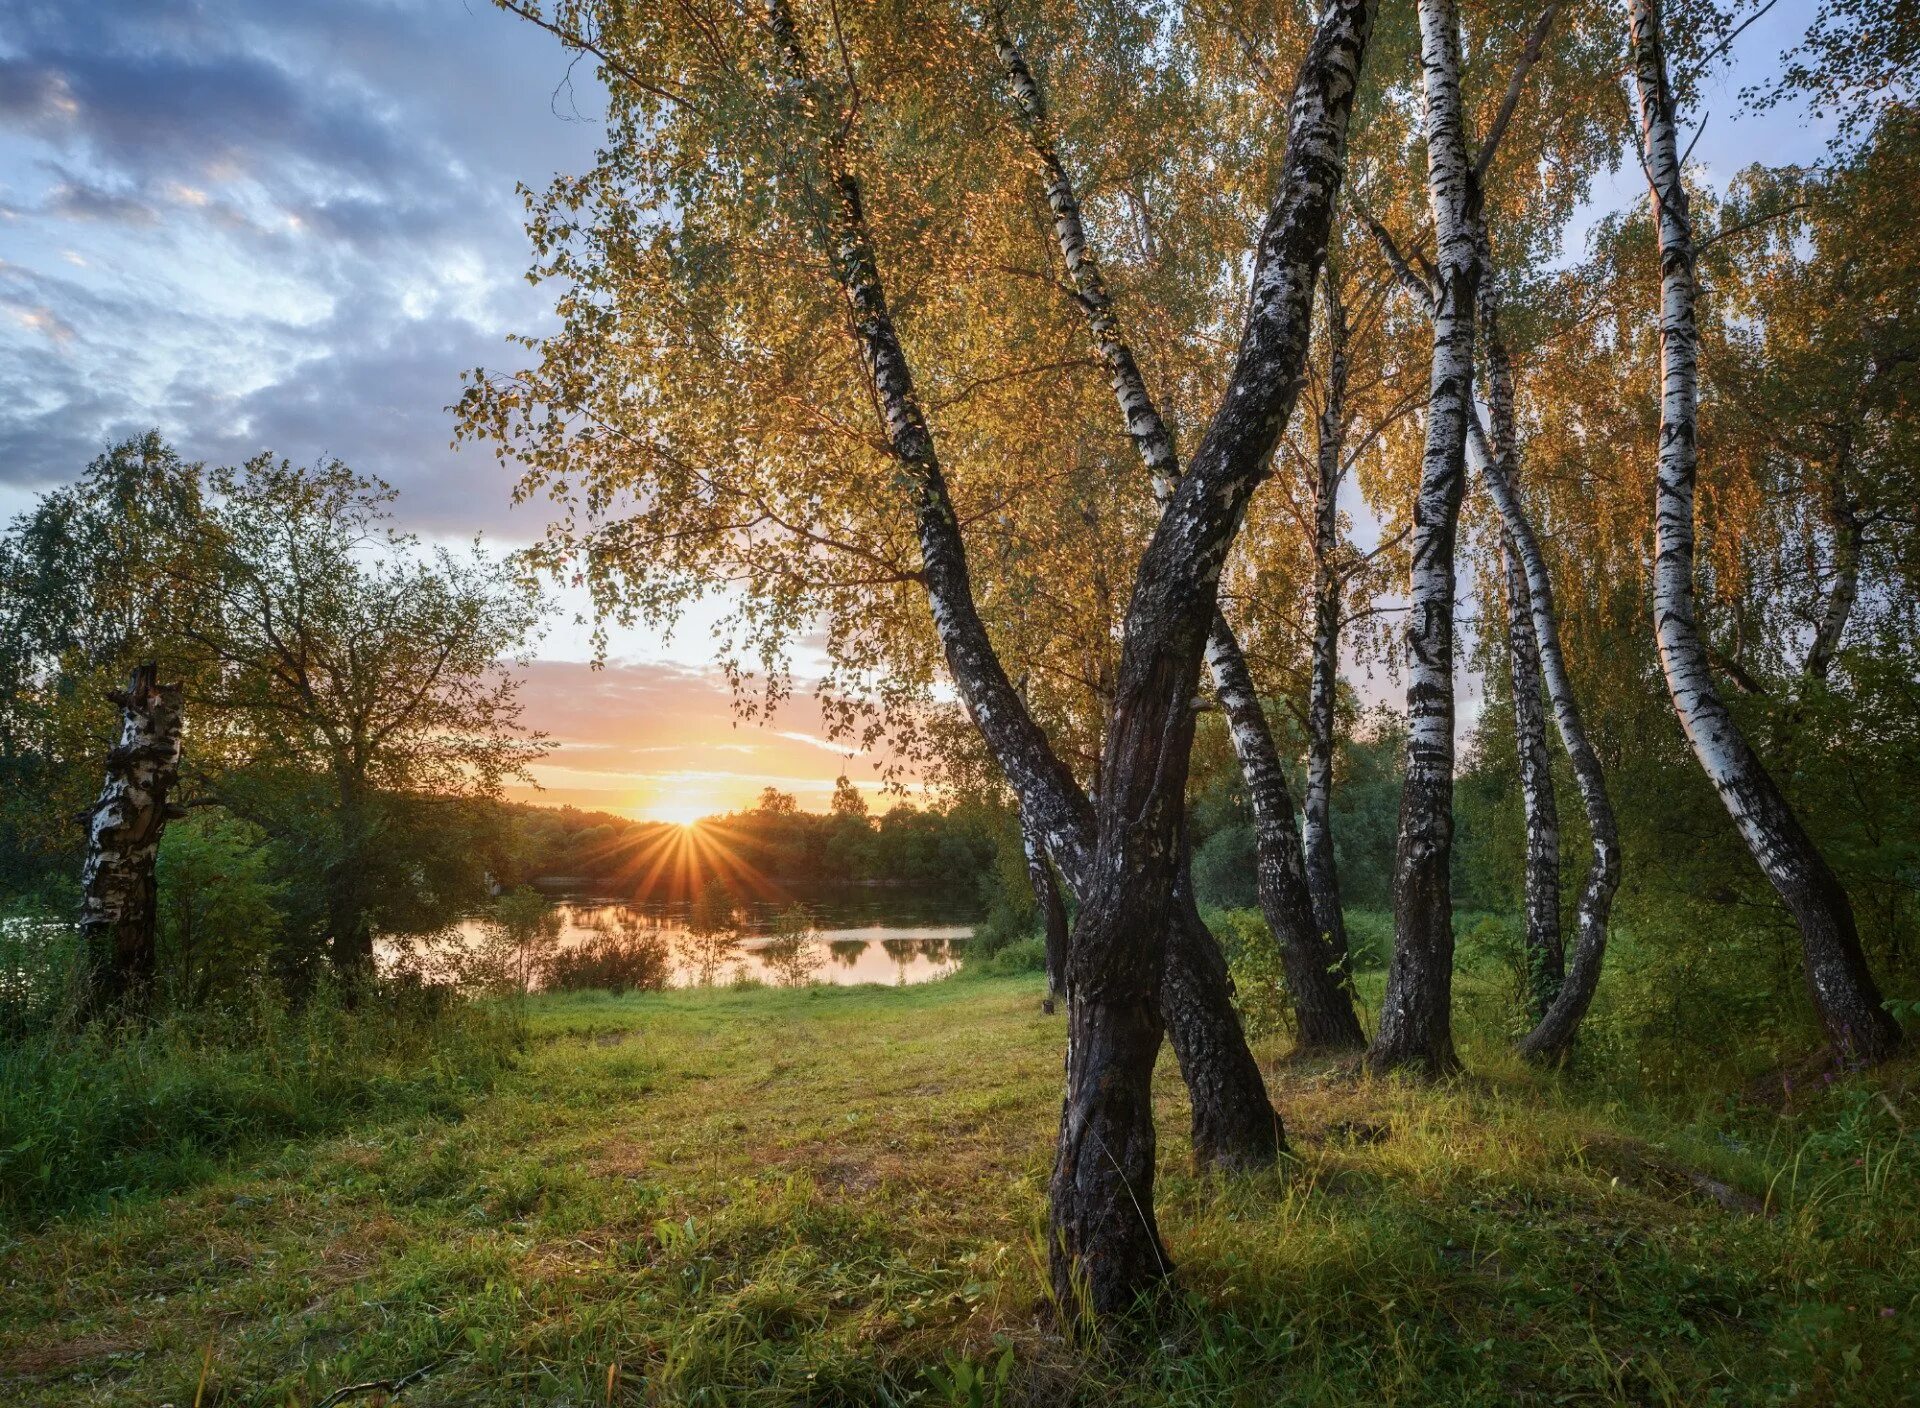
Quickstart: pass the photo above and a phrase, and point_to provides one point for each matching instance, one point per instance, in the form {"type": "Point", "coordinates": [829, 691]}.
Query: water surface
{"type": "Point", "coordinates": [869, 935]}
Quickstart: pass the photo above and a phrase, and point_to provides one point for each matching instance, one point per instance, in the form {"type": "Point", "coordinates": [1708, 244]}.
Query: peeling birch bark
{"type": "Point", "coordinates": [119, 910]}
{"type": "Point", "coordinates": [1844, 993]}
{"type": "Point", "coordinates": [1546, 960]}
{"type": "Point", "coordinates": [1105, 1246]}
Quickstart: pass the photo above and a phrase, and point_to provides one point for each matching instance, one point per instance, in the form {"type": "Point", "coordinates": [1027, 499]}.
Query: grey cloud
{"type": "Point", "coordinates": [354, 156]}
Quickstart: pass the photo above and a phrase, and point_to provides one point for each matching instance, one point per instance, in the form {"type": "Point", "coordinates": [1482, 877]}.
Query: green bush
{"type": "Point", "coordinates": [92, 1115]}
{"type": "Point", "coordinates": [1253, 960]}
{"type": "Point", "coordinates": [1369, 938]}
{"type": "Point", "coordinates": [1028, 955]}
{"type": "Point", "coordinates": [627, 962]}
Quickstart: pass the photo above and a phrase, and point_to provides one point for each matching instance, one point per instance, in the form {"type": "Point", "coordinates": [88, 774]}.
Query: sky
{"type": "Point", "coordinates": [292, 224]}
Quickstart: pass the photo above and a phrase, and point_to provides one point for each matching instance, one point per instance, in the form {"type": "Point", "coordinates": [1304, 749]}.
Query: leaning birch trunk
{"type": "Point", "coordinates": [119, 911]}
{"type": "Point", "coordinates": [1051, 909]}
{"type": "Point", "coordinates": [1849, 535]}
{"type": "Point", "coordinates": [1554, 1032]}
{"type": "Point", "coordinates": [1233, 1124]}
{"type": "Point", "coordinates": [1316, 822]}
{"type": "Point", "coordinates": [1324, 1011]}
{"type": "Point", "coordinates": [1857, 1023]}
{"type": "Point", "coordinates": [1554, 1028]}
{"type": "Point", "coordinates": [1102, 1180]}
{"type": "Point", "coordinates": [1415, 1030]}
{"type": "Point", "coordinates": [1546, 960]}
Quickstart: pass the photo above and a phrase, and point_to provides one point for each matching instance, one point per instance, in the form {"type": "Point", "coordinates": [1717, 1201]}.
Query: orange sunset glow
{"type": "Point", "coordinates": [658, 742]}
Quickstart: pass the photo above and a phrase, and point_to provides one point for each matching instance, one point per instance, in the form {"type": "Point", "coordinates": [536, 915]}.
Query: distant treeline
{"type": "Point", "coordinates": [771, 850]}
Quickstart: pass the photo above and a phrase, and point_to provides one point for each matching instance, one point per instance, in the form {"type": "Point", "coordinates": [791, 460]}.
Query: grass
{"type": "Point", "coordinates": [830, 1196]}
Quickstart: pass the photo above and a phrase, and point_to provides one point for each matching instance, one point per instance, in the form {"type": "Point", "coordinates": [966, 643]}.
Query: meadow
{"type": "Point", "coordinates": [837, 1195]}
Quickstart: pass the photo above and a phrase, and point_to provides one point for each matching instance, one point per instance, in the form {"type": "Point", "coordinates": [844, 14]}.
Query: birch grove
{"type": "Point", "coordinates": [960, 340]}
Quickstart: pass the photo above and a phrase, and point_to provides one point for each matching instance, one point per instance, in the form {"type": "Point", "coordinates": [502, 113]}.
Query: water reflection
{"type": "Point", "coordinates": [792, 947]}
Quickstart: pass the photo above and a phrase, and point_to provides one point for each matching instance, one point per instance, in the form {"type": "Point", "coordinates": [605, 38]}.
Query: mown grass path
{"type": "Point", "coordinates": [836, 1196]}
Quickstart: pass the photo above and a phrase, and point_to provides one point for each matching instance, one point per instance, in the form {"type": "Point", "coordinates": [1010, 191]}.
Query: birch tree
{"type": "Point", "coordinates": [1415, 1029]}
{"type": "Point", "coordinates": [1843, 990]}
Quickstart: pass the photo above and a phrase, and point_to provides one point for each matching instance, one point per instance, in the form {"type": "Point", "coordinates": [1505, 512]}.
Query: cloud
{"type": "Point", "coordinates": [285, 224]}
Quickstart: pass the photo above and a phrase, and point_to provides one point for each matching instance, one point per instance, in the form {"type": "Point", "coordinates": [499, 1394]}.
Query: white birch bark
{"type": "Point", "coordinates": [1415, 1028]}
{"type": "Point", "coordinates": [1843, 990]}
{"type": "Point", "coordinates": [119, 914]}
{"type": "Point", "coordinates": [1316, 821]}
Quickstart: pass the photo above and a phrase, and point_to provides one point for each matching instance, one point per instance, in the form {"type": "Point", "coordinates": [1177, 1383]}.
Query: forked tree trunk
{"type": "Point", "coordinates": [1849, 1003]}
{"type": "Point", "coordinates": [1323, 1008]}
{"type": "Point", "coordinates": [119, 907]}
{"type": "Point", "coordinates": [1415, 1031]}
{"type": "Point", "coordinates": [1316, 823]}
{"type": "Point", "coordinates": [1104, 1245]}
{"type": "Point", "coordinates": [1051, 909]}
{"type": "Point", "coordinates": [1546, 961]}
{"type": "Point", "coordinates": [1103, 1237]}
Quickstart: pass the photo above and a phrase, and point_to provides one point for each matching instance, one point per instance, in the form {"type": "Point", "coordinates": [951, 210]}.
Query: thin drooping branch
{"type": "Point", "coordinates": [1849, 536]}
{"type": "Point", "coordinates": [1324, 1010]}
{"type": "Point", "coordinates": [1842, 987]}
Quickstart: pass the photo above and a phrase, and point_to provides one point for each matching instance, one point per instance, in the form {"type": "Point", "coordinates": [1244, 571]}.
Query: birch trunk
{"type": "Point", "coordinates": [1546, 960]}
{"type": "Point", "coordinates": [1175, 595]}
{"type": "Point", "coordinates": [1857, 1024]}
{"type": "Point", "coordinates": [1556, 1026]}
{"type": "Point", "coordinates": [1323, 872]}
{"type": "Point", "coordinates": [1324, 1011]}
{"type": "Point", "coordinates": [119, 909]}
{"type": "Point", "coordinates": [1051, 908]}
{"type": "Point", "coordinates": [1416, 1021]}
{"type": "Point", "coordinates": [1849, 534]}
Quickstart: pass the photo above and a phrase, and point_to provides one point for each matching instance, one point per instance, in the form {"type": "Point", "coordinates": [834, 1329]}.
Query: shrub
{"type": "Point", "coordinates": [629, 962]}
{"type": "Point", "coordinates": [1253, 960]}
{"type": "Point", "coordinates": [1028, 955]}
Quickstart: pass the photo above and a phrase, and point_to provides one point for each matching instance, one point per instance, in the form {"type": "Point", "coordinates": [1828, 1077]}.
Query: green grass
{"type": "Point", "coordinates": [834, 1196]}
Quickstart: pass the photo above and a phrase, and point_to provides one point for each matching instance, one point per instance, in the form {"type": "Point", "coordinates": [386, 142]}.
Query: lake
{"type": "Point", "coordinates": [864, 935]}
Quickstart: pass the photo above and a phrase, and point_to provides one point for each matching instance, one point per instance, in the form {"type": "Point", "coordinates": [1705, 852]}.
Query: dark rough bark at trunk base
{"type": "Point", "coordinates": [1235, 1127]}
{"type": "Point", "coordinates": [119, 909]}
{"type": "Point", "coordinates": [1415, 1031]}
{"type": "Point", "coordinates": [1844, 993]}
{"type": "Point", "coordinates": [1105, 1248]}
